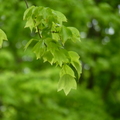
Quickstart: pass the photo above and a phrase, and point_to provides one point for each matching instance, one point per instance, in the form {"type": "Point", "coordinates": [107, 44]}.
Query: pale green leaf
{"type": "Point", "coordinates": [66, 70]}
{"type": "Point", "coordinates": [30, 23]}
{"type": "Point", "coordinates": [65, 34]}
{"type": "Point", "coordinates": [37, 11]}
{"type": "Point", "coordinates": [55, 31]}
{"type": "Point", "coordinates": [78, 67]}
{"type": "Point", "coordinates": [73, 56]}
{"type": "Point", "coordinates": [52, 45]}
{"type": "Point", "coordinates": [46, 12]}
{"type": "Point", "coordinates": [55, 36]}
{"type": "Point", "coordinates": [48, 57]}
{"type": "Point", "coordinates": [59, 54]}
{"type": "Point", "coordinates": [60, 57]}
{"type": "Point", "coordinates": [45, 18]}
{"type": "Point", "coordinates": [28, 13]}
{"type": "Point", "coordinates": [39, 49]}
{"type": "Point", "coordinates": [67, 82]}
{"type": "Point", "coordinates": [28, 43]}
{"type": "Point", "coordinates": [75, 34]}
{"type": "Point", "coordinates": [2, 37]}
{"type": "Point", "coordinates": [75, 62]}
{"type": "Point", "coordinates": [60, 17]}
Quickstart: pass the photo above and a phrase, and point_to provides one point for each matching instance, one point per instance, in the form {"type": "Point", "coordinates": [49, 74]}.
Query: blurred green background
{"type": "Point", "coordinates": [28, 87]}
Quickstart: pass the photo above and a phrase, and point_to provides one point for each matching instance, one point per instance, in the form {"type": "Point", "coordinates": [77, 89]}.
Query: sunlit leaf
{"type": "Point", "coordinates": [75, 34]}
{"type": "Point", "coordinates": [60, 56]}
{"type": "Point", "coordinates": [66, 70]}
{"type": "Point", "coordinates": [30, 23]}
{"type": "Point", "coordinates": [28, 43]}
{"type": "Point", "coordinates": [28, 13]}
{"type": "Point", "coordinates": [55, 30]}
{"type": "Point", "coordinates": [52, 45]}
{"type": "Point", "coordinates": [65, 34]}
{"type": "Point", "coordinates": [60, 17]}
{"type": "Point", "coordinates": [74, 56]}
{"type": "Point", "coordinates": [2, 37]}
{"type": "Point", "coordinates": [78, 67]}
{"type": "Point", "coordinates": [48, 57]}
{"type": "Point", "coordinates": [39, 49]}
{"type": "Point", "coordinates": [67, 82]}
{"type": "Point", "coordinates": [75, 62]}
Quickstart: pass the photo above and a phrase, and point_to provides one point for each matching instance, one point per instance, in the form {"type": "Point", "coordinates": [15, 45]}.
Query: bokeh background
{"type": "Point", "coordinates": [28, 87]}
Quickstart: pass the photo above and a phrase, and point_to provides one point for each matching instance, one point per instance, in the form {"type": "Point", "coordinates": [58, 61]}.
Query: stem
{"type": "Point", "coordinates": [26, 3]}
{"type": "Point", "coordinates": [39, 32]}
{"type": "Point", "coordinates": [34, 20]}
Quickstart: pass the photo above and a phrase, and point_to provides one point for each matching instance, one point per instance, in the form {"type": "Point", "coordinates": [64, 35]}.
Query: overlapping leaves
{"type": "Point", "coordinates": [48, 23]}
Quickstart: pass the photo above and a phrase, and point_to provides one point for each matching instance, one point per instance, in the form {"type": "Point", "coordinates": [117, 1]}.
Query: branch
{"type": "Point", "coordinates": [34, 20]}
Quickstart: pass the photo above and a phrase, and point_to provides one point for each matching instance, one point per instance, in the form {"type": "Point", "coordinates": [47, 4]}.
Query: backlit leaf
{"type": "Point", "coordinates": [52, 45]}
{"type": "Point", "coordinates": [55, 31]}
{"type": "Point", "coordinates": [66, 70]}
{"type": "Point", "coordinates": [67, 82]}
{"type": "Point", "coordinates": [30, 23]}
{"type": "Point", "coordinates": [74, 56]}
{"type": "Point", "coordinates": [28, 43]}
{"type": "Point", "coordinates": [48, 57]}
{"type": "Point", "coordinates": [65, 34]}
{"type": "Point", "coordinates": [75, 62]}
{"type": "Point", "coordinates": [39, 49]}
{"type": "Point", "coordinates": [75, 34]}
{"type": "Point", "coordinates": [60, 57]}
{"type": "Point", "coordinates": [2, 37]}
{"type": "Point", "coordinates": [60, 17]}
{"type": "Point", "coordinates": [28, 13]}
{"type": "Point", "coordinates": [78, 67]}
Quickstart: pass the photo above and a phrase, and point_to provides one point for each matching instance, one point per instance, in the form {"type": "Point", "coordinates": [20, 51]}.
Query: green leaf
{"type": "Point", "coordinates": [37, 11]}
{"type": "Point", "coordinates": [39, 49]}
{"type": "Point", "coordinates": [55, 31]}
{"type": "Point", "coordinates": [67, 82]}
{"type": "Point", "coordinates": [48, 57]}
{"type": "Point", "coordinates": [46, 12]}
{"type": "Point", "coordinates": [75, 34]}
{"type": "Point", "coordinates": [73, 56]}
{"type": "Point", "coordinates": [78, 68]}
{"type": "Point", "coordinates": [28, 13]}
{"type": "Point", "coordinates": [65, 34]}
{"type": "Point", "coordinates": [30, 23]}
{"type": "Point", "coordinates": [55, 36]}
{"type": "Point", "coordinates": [28, 43]}
{"type": "Point", "coordinates": [60, 17]}
{"type": "Point", "coordinates": [59, 54]}
{"type": "Point", "coordinates": [66, 70]}
{"type": "Point", "coordinates": [75, 62]}
{"type": "Point", "coordinates": [60, 57]}
{"type": "Point", "coordinates": [44, 18]}
{"type": "Point", "coordinates": [52, 45]}
{"type": "Point", "coordinates": [37, 16]}
{"type": "Point", "coordinates": [2, 37]}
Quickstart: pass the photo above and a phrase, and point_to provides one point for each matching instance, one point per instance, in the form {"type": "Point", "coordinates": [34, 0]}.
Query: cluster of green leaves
{"type": "Point", "coordinates": [53, 35]}
{"type": "Point", "coordinates": [2, 37]}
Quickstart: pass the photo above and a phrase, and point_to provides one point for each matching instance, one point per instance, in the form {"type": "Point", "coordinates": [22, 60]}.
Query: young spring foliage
{"type": "Point", "coordinates": [48, 23]}
{"type": "Point", "coordinates": [2, 37]}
